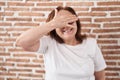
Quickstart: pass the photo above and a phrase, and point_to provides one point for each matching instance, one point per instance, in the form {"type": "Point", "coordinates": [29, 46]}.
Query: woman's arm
{"type": "Point", "coordinates": [100, 75]}
{"type": "Point", "coordinates": [29, 40]}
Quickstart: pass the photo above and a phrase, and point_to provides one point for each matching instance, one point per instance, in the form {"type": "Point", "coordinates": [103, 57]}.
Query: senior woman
{"type": "Point", "coordinates": [68, 55]}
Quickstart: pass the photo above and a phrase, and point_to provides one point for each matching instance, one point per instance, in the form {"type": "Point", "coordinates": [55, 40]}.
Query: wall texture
{"type": "Point", "coordinates": [99, 19]}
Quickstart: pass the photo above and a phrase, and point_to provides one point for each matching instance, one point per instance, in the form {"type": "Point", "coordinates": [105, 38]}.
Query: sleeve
{"type": "Point", "coordinates": [44, 43]}
{"type": "Point", "coordinates": [99, 61]}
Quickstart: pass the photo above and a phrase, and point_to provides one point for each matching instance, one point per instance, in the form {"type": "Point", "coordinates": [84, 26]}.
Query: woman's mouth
{"type": "Point", "coordinates": [67, 30]}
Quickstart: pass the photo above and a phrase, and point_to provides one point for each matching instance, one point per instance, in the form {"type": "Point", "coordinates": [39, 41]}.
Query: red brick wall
{"type": "Point", "coordinates": [99, 19]}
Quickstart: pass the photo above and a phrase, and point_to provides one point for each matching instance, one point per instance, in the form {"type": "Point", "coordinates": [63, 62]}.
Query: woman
{"type": "Point", "coordinates": [68, 55]}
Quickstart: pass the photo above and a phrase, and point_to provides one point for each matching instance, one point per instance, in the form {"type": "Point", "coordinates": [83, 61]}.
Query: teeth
{"type": "Point", "coordinates": [67, 30]}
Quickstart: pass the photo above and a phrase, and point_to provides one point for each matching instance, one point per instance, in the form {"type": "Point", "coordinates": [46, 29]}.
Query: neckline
{"type": "Point", "coordinates": [77, 45]}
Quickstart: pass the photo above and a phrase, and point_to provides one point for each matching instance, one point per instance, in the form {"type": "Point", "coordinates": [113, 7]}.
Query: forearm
{"type": "Point", "coordinates": [100, 75]}
{"type": "Point", "coordinates": [100, 78]}
{"type": "Point", "coordinates": [34, 34]}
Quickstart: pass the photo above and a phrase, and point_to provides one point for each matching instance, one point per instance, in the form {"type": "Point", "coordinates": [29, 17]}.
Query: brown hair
{"type": "Point", "coordinates": [79, 37]}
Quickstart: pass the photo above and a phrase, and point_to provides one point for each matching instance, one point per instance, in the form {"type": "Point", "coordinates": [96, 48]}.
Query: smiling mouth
{"type": "Point", "coordinates": [67, 30]}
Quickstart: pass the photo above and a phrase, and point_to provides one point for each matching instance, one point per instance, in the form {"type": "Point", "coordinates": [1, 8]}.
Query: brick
{"type": "Point", "coordinates": [18, 19]}
{"type": "Point", "coordinates": [106, 9]}
{"type": "Point", "coordinates": [40, 71]}
{"type": "Point", "coordinates": [38, 61]}
{"type": "Point", "coordinates": [17, 29]}
{"type": "Point", "coordinates": [2, 3]}
{"type": "Point", "coordinates": [112, 74]}
{"type": "Point", "coordinates": [36, 0]}
{"type": "Point", "coordinates": [2, 49]}
{"type": "Point", "coordinates": [9, 39]}
{"type": "Point", "coordinates": [1, 29]}
{"type": "Point", "coordinates": [29, 65]}
{"type": "Point", "coordinates": [81, 9]}
{"type": "Point", "coordinates": [111, 63]}
{"type": "Point", "coordinates": [92, 14]}
{"type": "Point", "coordinates": [13, 79]}
{"type": "Point", "coordinates": [4, 54]}
{"type": "Point", "coordinates": [26, 24]}
{"type": "Point", "coordinates": [1, 59]}
{"type": "Point", "coordinates": [7, 64]}
{"type": "Point", "coordinates": [30, 14]}
{"type": "Point", "coordinates": [110, 3]}
{"type": "Point", "coordinates": [112, 57]}
{"type": "Point", "coordinates": [118, 63]}
{"type": "Point", "coordinates": [7, 74]}
{"type": "Point", "coordinates": [2, 78]}
{"type": "Point", "coordinates": [6, 13]}
{"type": "Point", "coordinates": [25, 55]}
{"type": "Point", "coordinates": [15, 50]}
{"type": "Point", "coordinates": [90, 25]}
{"type": "Point", "coordinates": [109, 36]}
{"type": "Point", "coordinates": [111, 47]}
{"type": "Point", "coordinates": [20, 4]}
{"type": "Point", "coordinates": [16, 34]}
{"type": "Point", "coordinates": [6, 44]}
{"type": "Point", "coordinates": [42, 9]}
{"type": "Point", "coordinates": [16, 9]}
{"type": "Point", "coordinates": [17, 60]}
{"type": "Point", "coordinates": [39, 19]}
{"type": "Point", "coordinates": [85, 19]}
{"type": "Point", "coordinates": [112, 78]}
{"type": "Point", "coordinates": [1, 39]}
{"type": "Point", "coordinates": [113, 69]}
{"type": "Point", "coordinates": [4, 34]}
{"type": "Point", "coordinates": [111, 25]}
{"type": "Point", "coordinates": [3, 69]}
{"type": "Point", "coordinates": [107, 41]}
{"type": "Point", "coordinates": [79, 4]}
{"type": "Point", "coordinates": [1, 18]}
{"type": "Point", "coordinates": [115, 14]}
{"type": "Point", "coordinates": [85, 30]}
{"type": "Point", "coordinates": [5, 24]}
{"type": "Point", "coordinates": [31, 75]}
{"type": "Point", "coordinates": [20, 70]}
{"type": "Point", "coordinates": [107, 19]}
{"type": "Point", "coordinates": [1, 14]}
{"type": "Point", "coordinates": [50, 4]}
{"type": "Point", "coordinates": [106, 30]}
{"type": "Point", "coordinates": [111, 52]}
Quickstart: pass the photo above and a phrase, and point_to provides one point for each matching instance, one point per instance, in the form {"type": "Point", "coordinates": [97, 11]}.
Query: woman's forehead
{"type": "Point", "coordinates": [64, 12]}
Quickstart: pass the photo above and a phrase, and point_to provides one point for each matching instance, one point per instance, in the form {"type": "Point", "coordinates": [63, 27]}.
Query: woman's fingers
{"type": "Point", "coordinates": [68, 25]}
{"type": "Point", "coordinates": [63, 20]}
{"type": "Point", "coordinates": [72, 20]}
{"type": "Point", "coordinates": [55, 13]}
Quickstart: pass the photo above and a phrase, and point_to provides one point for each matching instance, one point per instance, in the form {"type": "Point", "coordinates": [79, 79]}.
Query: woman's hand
{"type": "Point", "coordinates": [62, 20]}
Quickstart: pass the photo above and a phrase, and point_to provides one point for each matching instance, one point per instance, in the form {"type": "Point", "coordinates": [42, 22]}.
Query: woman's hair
{"type": "Point", "coordinates": [79, 37]}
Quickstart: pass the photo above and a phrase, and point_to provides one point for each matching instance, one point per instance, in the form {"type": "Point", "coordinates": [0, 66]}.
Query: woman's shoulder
{"type": "Point", "coordinates": [91, 41]}
{"type": "Point", "coordinates": [91, 44]}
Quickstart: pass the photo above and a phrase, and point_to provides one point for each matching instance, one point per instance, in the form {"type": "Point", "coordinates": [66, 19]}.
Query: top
{"type": "Point", "coordinates": [66, 62]}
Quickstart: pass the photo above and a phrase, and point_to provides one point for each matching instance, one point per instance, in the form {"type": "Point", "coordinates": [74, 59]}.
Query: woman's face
{"type": "Point", "coordinates": [67, 33]}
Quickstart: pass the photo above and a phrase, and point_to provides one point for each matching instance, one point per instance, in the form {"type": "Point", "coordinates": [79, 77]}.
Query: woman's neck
{"type": "Point", "coordinates": [71, 42]}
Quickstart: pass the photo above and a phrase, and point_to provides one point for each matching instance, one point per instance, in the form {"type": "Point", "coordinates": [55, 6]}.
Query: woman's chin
{"type": "Point", "coordinates": [67, 37]}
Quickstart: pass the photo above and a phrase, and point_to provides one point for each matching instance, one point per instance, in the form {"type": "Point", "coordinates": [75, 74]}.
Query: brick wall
{"type": "Point", "coordinates": [99, 19]}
